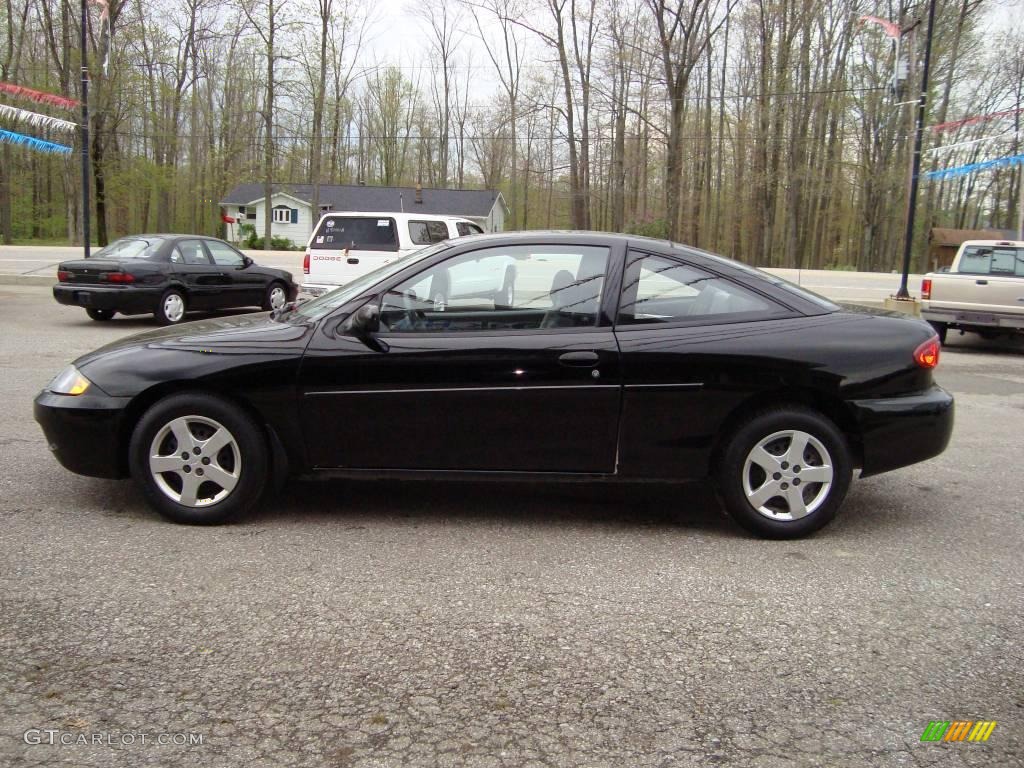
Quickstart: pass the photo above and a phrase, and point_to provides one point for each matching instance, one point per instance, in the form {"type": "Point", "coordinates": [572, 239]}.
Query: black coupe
{"type": "Point", "coordinates": [169, 275]}
{"type": "Point", "coordinates": [616, 358]}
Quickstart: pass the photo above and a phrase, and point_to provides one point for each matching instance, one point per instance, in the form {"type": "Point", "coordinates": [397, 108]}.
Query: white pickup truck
{"type": "Point", "coordinates": [346, 245]}
{"type": "Point", "coordinates": [982, 292]}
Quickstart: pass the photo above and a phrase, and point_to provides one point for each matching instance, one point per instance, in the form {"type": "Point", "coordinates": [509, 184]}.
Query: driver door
{"type": "Point", "coordinates": [466, 385]}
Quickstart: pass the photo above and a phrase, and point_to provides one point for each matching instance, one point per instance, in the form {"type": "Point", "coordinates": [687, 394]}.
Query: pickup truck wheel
{"type": "Point", "coordinates": [506, 296]}
{"type": "Point", "coordinates": [784, 472]}
{"type": "Point", "coordinates": [101, 315]}
{"type": "Point", "coordinates": [198, 459]}
{"type": "Point", "coordinates": [940, 329]}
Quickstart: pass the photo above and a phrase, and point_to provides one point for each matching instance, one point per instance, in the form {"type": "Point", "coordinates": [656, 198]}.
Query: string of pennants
{"type": "Point", "coordinates": [35, 119]}
{"type": "Point", "coordinates": [985, 165]}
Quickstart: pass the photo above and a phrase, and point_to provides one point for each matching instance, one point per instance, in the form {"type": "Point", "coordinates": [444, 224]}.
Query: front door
{"type": "Point", "coordinates": [470, 384]}
{"type": "Point", "coordinates": [203, 279]}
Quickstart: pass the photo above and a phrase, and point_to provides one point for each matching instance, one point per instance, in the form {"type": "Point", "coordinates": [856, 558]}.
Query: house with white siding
{"type": "Point", "coordinates": [293, 216]}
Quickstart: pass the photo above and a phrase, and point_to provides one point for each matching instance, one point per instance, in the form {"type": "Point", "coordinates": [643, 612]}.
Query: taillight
{"type": "Point", "coordinates": [63, 275]}
{"type": "Point", "coordinates": [927, 354]}
{"type": "Point", "coordinates": [305, 264]}
{"type": "Point", "coordinates": [926, 288]}
{"type": "Point", "coordinates": [117, 277]}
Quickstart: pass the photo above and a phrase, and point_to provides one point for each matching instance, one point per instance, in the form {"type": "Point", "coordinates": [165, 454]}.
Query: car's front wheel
{"type": "Point", "coordinates": [784, 472]}
{"type": "Point", "coordinates": [172, 308]}
{"type": "Point", "coordinates": [100, 315]}
{"type": "Point", "coordinates": [198, 459]}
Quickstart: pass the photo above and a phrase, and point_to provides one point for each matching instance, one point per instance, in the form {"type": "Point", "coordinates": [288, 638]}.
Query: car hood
{"type": "Point", "coordinates": [191, 351]}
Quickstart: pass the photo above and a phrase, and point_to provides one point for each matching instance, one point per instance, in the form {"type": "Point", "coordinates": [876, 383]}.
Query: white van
{"type": "Point", "coordinates": [346, 244]}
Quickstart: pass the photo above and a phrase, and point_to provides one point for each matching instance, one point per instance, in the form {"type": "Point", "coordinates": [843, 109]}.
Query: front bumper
{"type": "Point", "coordinates": [127, 300]}
{"type": "Point", "coordinates": [84, 432]}
{"type": "Point", "coordinates": [899, 431]}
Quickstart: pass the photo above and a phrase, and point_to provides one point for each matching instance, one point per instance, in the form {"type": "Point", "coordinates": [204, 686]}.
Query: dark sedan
{"type": "Point", "coordinates": [618, 358]}
{"type": "Point", "coordinates": [168, 276]}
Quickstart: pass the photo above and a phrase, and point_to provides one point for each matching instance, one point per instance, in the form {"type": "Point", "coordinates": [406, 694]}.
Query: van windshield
{"type": "Point", "coordinates": [357, 233]}
{"type": "Point", "coordinates": [324, 305]}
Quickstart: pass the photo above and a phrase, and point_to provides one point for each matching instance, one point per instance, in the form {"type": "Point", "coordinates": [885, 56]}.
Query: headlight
{"type": "Point", "coordinates": [69, 382]}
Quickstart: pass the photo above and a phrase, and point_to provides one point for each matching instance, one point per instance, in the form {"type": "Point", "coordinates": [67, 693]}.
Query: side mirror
{"type": "Point", "coordinates": [362, 324]}
{"type": "Point", "coordinates": [246, 262]}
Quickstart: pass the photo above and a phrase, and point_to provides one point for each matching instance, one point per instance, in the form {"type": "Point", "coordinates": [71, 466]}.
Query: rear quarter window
{"type": "Point", "coordinates": [368, 233]}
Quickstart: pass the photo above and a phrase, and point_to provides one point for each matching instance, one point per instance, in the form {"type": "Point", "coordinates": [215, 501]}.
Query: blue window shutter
{"type": "Point", "coordinates": [295, 215]}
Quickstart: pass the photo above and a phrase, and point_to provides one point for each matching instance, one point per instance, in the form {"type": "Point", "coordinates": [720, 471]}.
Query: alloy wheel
{"type": "Point", "coordinates": [195, 461]}
{"type": "Point", "coordinates": [787, 475]}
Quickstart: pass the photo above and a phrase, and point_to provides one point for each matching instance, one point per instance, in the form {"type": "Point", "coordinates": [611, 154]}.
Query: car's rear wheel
{"type": "Point", "coordinates": [198, 459]}
{"type": "Point", "coordinates": [172, 308]}
{"type": "Point", "coordinates": [101, 315]}
{"type": "Point", "coordinates": [275, 297]}
{"type": "Point", "coordinates": [784, 472]}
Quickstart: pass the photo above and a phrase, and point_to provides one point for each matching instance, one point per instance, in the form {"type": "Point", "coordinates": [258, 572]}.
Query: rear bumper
{"type": "Point", "coordinates": [317, 289]}
{"type": "Point", "coordinates": [974, 319]}
{"type": "Point", "coordinates": [899, 431]}
{"type": "Point", "coordinates": [83, 432]}
{"type": "Point", "coordinates": [129, 301]}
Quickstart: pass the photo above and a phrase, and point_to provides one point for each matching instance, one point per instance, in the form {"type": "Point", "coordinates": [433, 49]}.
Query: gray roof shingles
{"type": "Point", "coordinates": [351, 197]}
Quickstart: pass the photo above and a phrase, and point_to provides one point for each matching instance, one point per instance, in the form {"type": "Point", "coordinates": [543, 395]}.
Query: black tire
{"type": "Point", "coordinates": [775, 519]}
{"type": "Point", "coordinates": [505, 298]}
{"type": "Point", "coordinates": [164, 314]}
{"type": "Point", "coordinates": [244, 460]}
{"type": "Point", "coordinates": [101, 315]}
{"type": "Point", "coordinates": [268, 295]}
{"type": "Point", "coordinates": [941, 329]}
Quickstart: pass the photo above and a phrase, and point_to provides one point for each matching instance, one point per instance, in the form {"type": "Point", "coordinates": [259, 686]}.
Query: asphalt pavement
{"type": "Point", "coordinates": [449, 624]}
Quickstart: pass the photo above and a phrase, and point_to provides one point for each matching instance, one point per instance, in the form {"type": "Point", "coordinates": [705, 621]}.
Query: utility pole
{"type": "Point", "coordinates": [85, 130]}
{"type": "Point", "coordinates": [915, 172]}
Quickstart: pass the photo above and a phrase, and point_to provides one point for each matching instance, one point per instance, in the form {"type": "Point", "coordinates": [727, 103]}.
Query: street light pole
{"type": "Point", "coordinates": [85, 130]}
{"type": "Point", "coordinates": [908, 240]}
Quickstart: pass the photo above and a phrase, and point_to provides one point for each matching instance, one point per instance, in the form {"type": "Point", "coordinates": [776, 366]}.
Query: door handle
{"type": "Point", "coordinates": [579, 359]}
{"type": "Point", "coordinates": [981, 282]}
{"type": "Point", "coordinates": [352, 260]}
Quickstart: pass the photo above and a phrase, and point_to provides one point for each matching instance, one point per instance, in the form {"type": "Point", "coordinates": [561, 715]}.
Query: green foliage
{"type": "Point", "coordinates": [841, 267]}
{"type": "Point", "coordinates": [648, 227]}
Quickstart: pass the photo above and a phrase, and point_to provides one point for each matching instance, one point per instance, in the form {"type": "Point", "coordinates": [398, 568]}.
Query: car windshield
{"type": "Point", "coordinates": [324, 305]}
{"type": "Point", "coordinates": [131, 248]}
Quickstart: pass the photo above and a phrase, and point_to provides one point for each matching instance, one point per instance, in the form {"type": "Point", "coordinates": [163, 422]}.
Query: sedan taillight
{"type": "Point", "coordinates": [926, 288]}
{"type": "Point", "coordinates": [305, 264]}
{"type": "Point", "coordinates": [63, 275]}
{"type": "Point", "coordinates": [117, 277]}
{"type": "Point", "coordinates": [927, 354]}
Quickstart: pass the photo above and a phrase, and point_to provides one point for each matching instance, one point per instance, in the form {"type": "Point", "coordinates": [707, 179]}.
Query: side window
{"type": "Point", "coordinates": [660, 290]}
{"type": "Point", "coordinates": [525, 287]}
{"type": "Point", "coordinates": [223, 254]}
{"type": "Point", "coordinates": [427, 232]}
{"type": "Point", "coordinates": [191, 252]}
{"type": "Point", "coordinates": [438, 231]}
{"type": "Point", "coordinates": [465, 228]}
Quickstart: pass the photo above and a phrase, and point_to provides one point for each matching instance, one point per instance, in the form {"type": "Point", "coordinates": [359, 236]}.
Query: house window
{"type": "Point", "coordinates": [283, 215]}
{"type": "Point", "coordinates": [241, 210]}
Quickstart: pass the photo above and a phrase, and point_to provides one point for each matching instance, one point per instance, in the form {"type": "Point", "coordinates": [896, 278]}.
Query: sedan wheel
{"type": "Point", "coordinates": [276, 297]}
{"type": "Point", "coordinates": [785, 472]}
{"type": "Point", "coordinates": [198, 459]}
{"type": "Point", "coordinates": [172, 308]}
